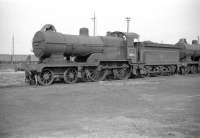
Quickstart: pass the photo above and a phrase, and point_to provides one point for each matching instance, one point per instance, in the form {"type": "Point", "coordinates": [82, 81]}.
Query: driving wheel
{"type": "Point", "coordinates": [70, 75]}
{"type": "Point", "coordinates": [46, 77]}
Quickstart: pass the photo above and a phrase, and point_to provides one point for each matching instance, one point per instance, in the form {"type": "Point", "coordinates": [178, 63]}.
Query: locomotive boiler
{"type": "Point", "coordinates": [47, 43]}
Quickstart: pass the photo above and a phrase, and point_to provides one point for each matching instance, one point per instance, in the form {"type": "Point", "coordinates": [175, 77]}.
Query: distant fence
{"type": "Point", "coordinates": [6, 58]}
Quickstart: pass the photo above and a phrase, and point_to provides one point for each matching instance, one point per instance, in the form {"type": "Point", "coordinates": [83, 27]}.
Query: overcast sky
{"type": "Point", "coordinates": [155, 20]}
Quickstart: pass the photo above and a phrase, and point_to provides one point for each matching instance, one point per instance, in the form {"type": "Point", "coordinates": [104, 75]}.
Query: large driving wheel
{"type": "Point", "coordinates": [198, 69]}
{"type": "Point", "coordinates": [96, 75]}
{"type": "Point", "coordinates": [185, 70]}
{"type": "Point", "coordinates": [71, 75]}
{"type": "Point", "coordinates": [182, 70]}
{"type": "Point", "coordinates": [122, 73]}
{"type": "Point", "coordinates": [102, 74]}
{"type": "Point", "coordinates": [46, 77]}
{"type": "Point", "coordinates": [193, 69]}
{"type": "Point", "coordinates": [85, 77]}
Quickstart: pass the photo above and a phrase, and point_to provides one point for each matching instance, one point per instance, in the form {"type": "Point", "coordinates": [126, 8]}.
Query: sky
{"type": "Point", "coordinates": [163, 21]}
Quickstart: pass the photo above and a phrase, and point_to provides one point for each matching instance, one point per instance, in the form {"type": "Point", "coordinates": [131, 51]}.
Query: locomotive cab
{"type": "Point", "coordinates": [132, 48]}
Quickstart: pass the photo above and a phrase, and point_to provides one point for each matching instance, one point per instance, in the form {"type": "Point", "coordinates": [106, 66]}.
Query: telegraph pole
{"type": "Point", "coordinates": [94, 24]}
{"type": "Point", "coordinates": [13, 49]}
{"type": "Point", "coordinates": [128, 19]}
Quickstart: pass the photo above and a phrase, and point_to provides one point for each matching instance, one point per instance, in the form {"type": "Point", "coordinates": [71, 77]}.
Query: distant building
{"type": "Point", "coordinates": [6, 58]}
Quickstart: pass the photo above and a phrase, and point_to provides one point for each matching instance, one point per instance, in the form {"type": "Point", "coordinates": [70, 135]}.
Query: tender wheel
{"type": "Point", "coordinates": [164, 71]}
{"type": "Point", "coordinates": [46, 77]}
{"type": "Point", "coordinates": [71, 75]}
{"type": "Point", "coordinates": [148, 71]}
{"type": "Point", "coordinates": [122, 73]}
{"type": "Point", "coordinates": [174, 68]}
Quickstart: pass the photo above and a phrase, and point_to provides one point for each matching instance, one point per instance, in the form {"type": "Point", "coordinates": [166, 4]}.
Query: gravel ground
{"type": "Point", "coordinates": [11, 78]}
{"type": "Point", "coordinates": [160, 107]}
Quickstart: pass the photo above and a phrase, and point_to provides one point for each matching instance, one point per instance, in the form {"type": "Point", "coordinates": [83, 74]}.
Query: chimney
{"type": "Point", "coordinates": [84, 32]}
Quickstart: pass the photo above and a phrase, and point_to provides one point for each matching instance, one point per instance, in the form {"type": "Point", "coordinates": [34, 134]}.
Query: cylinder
{"type": "Point", "coordinates": [84, 32]}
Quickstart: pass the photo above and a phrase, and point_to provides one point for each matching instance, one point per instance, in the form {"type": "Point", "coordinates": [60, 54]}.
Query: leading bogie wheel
{"type": "Point", "coordinates": [46, 77]}
{"type": "Point", "coordinates": [70, 75]}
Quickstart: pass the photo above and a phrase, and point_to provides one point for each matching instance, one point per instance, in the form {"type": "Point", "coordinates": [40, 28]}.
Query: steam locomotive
{"type": "Point", "coordinates": [117, 55]}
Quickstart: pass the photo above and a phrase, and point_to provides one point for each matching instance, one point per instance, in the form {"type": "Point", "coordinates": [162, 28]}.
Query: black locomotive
{"type": "Point", "coordinates": [117, 55]}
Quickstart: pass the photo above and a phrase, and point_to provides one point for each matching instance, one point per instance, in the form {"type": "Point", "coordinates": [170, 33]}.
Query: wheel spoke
{"type": "Point", "coordinates": [122, 73]}
{"type": "Point", "coordinates": [94, 74]}
{"type": "Point", "coordinates": [70, 75]}
{"type": "Point", "coordinates": [46, 77]}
